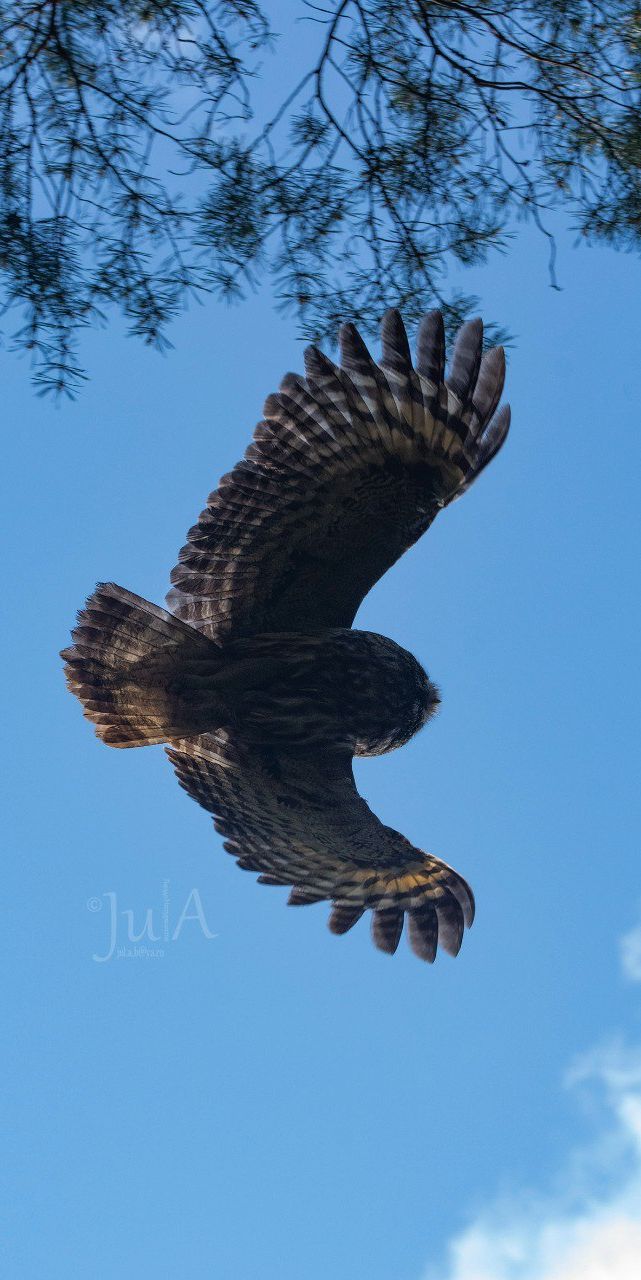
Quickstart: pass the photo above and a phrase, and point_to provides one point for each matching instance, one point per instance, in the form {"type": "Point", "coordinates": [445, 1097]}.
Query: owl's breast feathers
{"type": "Point", "coordinates": [340, 687]}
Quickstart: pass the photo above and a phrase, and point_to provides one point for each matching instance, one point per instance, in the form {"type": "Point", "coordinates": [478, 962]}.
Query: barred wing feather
{"type": "Point", "coordinates": [349, 467]}
{"type": "Point", "coordinates": [298, 820]}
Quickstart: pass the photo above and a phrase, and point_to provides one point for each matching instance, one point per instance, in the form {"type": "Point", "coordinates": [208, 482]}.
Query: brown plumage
{"type": "Point", "coordinates": [256, 679]}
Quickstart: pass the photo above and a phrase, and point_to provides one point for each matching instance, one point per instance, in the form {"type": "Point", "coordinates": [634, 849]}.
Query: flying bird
{"type": "Point", "coordinates": [255, 678]}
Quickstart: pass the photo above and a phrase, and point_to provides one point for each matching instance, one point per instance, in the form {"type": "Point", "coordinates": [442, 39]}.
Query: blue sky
{"type": "Point", "coordinates": [274, 1101]}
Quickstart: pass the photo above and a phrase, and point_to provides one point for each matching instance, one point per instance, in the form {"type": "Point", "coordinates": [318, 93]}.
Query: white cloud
{"type": "Point", "coordinates": [588, 1249]}
{"type": "Point", "coordinates": [630, 949]}
{"type": "Point", "coordinates": [579, 1231]}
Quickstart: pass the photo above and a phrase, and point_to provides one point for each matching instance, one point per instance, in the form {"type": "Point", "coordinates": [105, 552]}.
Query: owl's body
{"type": "Point", "coordinates": [339, 688]}
{"type": "Point", "coordinates": [255, 677]}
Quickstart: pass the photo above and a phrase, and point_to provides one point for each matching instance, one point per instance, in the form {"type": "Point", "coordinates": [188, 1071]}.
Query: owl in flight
{"type": "Point", "coordinates": [254, 677]}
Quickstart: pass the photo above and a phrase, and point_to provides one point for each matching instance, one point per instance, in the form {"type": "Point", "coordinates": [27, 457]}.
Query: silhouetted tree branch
{"type": "Point", "coordinates": [134, 170]}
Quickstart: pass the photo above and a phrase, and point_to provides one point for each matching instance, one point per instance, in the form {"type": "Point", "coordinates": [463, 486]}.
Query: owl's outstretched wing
{"type": "Point", "coordinates": [347, 470]}
{"type": "Point", "coordinates": [299, 820]}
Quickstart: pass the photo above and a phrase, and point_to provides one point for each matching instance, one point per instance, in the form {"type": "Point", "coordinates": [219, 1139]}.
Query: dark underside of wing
{"type": "Point", "coordinates": [312, 557]}
{"type": "Point", "coordinates": [347, 470]}
{"type": "Point", "coordinates": [298, 820]}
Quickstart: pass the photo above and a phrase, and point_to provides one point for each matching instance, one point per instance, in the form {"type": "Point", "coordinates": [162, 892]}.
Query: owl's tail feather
{"type": "Point", "coordinates": [141, 674]}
